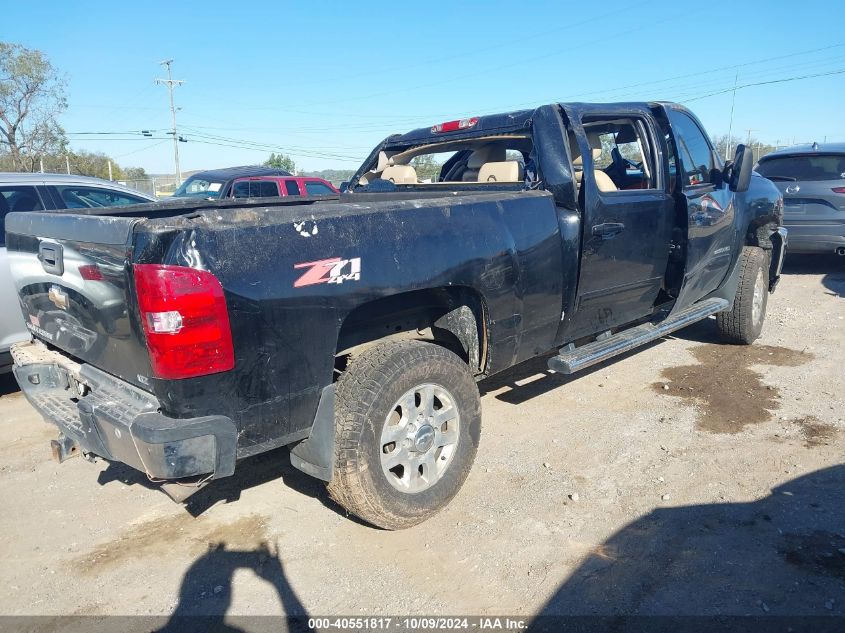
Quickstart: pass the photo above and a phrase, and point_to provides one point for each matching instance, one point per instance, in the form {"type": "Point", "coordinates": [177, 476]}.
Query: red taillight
{"type": "Point", "coordinates": [454, 126]}
{"type": "Point", "coordinates": [91, 272]}
{"type": "Point", "coordinates": [839, 190]}
{"type": "Point", "coordinates": [183, 312]}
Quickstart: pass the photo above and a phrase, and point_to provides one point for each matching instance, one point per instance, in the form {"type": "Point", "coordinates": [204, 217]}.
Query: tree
{"type": "Point", "coordinates": [758, 147]}
{"type": "Point", "coordinates": [32, 96]}
{"type": "Point", "coordinates": [428, 169]}
{"type": "Point", "coordinates": [94, 164]}
{"type": "Point", "coordinates": [135, 173]}
{"type": "Point", "coordinates": [281, 161]}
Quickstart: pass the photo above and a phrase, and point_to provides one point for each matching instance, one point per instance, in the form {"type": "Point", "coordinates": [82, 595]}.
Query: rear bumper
{"type": "Point", "coordinates": [110, 418]}
{"type": "Point", "coordinates": [815, 238]}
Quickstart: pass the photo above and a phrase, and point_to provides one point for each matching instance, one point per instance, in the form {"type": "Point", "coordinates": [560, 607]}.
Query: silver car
{"type": "Point", "coordinates": [36, 192]}
{"type": "Point", "coordinates": [812, 181]}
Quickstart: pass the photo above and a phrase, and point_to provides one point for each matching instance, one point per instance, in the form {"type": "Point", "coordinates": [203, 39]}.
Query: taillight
{"type": "Point", "coordinates": [839, 190]}
{"type": "Point", "coordinates": [183, 312]}
{"type": "Point", "coordinates": [454, 126]}
{"type": "Point", "coordinates": [91, 272]}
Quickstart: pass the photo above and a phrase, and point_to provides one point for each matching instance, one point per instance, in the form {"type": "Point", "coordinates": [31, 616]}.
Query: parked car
{"type": "Point", "coordinates": [215, 184]}
{"type": "Point", "coordinates": [36, 192]}
{"type": "Point", "coordinates": [280, 186]}
{"type": "Point", "coordinates": [245, 328]}
{"type": "Point", "coordinates": [812, 180]}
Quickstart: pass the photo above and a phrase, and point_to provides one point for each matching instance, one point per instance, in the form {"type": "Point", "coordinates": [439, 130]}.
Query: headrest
{"type": "Point", "coordinates": [502, 171]}
{"type": "Point", "coordinates": [578, 161]}
{"type": "Point", "coordinates": [400, 175]}
{"type": "Point", "coordinates": [491, 153]}
{"type": "Point", "coordinates": [594, 140]}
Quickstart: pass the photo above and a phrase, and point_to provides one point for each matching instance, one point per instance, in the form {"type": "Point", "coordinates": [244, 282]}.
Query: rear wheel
{"type": "Point", "coordinates": [408, 421]}
{"type": "Point", "coordinates": [744, 321]}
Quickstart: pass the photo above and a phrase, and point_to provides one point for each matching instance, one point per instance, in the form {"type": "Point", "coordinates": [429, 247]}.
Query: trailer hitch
{"type": "Point", "coordinates": [63, 448]}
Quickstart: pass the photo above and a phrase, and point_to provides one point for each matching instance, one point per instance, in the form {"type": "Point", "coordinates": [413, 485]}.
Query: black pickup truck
{"type": "Point", "coordinates": [180, 339]}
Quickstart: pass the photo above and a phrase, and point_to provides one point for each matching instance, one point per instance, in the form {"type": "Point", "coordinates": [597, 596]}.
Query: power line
{"type": "Point", "coordinates": [765, 83]}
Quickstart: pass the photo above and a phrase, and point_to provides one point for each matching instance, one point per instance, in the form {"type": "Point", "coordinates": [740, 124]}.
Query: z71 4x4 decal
{"type": "Point", "coordinates": [329, 271]}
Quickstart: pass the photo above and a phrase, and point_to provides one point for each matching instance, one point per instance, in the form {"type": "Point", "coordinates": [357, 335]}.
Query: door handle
{"type": "Point", "coordinates": [608, 230]}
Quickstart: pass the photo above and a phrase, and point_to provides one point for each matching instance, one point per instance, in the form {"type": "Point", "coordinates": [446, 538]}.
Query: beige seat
{"type": "Point", "coordinates": [484, 154]}
{"type": "Point", "coordinates": [400, 174]}
{"type": "Point", "coordinates": [603, 181]}
{"type": "Point", "coordinates": [501, 171]}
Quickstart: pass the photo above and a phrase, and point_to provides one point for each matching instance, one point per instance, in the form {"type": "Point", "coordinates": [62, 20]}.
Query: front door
{"type": "Point", "coordinates": [628, 216]}
{"type": "Point", "coordinates": [711, 232]}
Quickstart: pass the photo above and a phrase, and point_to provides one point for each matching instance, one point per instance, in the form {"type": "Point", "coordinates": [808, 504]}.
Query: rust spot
{"type": "Point", "coordinates": [157, 539]}
{"type": "Point", "coordinates": [722, 384]}
{"type": "Point", "coordinates": [816, 432]}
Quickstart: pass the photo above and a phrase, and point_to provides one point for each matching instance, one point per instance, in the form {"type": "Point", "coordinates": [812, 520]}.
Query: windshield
{"type": "Point", "coordinates": [810, 167]}
{"type": "Point", "coordinates": [198, 186]}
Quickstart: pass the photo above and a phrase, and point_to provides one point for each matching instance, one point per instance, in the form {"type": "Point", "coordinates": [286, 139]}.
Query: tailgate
{"type": "Point", "coordinates": [72, 276]}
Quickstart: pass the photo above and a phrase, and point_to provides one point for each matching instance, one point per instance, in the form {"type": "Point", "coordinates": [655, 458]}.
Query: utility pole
{"type": "Point", "coordinates": [170, 82]}
{"type": "Point", "coordinates": [67, 163]}
{"type": "Point", "coordinates": [731, 124]}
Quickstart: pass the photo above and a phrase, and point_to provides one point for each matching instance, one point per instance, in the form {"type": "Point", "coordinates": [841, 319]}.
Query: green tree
{"type": "Point", "coordinates": [134, 173]}
{"type": "Point", "coordinates": [32, 96]}
{"type": "Point", "coordinates": [426, 167]}
{"type": "Point", "coordinates": [281, 161]}
{"type": "Point", "coordinates": [94, 164]}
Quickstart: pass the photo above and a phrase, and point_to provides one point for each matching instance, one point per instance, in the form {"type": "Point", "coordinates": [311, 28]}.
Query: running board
{"type": "Point", "coordinates": [568, 362]}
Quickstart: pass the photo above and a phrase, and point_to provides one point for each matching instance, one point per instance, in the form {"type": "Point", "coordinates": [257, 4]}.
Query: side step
{"type": "Point", "coordinates": [568, 362]}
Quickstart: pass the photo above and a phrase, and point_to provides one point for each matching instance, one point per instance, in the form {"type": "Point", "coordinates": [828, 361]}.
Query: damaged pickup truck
{"type": "Point", "coordinates": [182, 339]}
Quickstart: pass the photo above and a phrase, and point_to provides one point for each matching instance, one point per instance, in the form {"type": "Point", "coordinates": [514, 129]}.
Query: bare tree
{"type": "Point", "coordinates": [32, 95]}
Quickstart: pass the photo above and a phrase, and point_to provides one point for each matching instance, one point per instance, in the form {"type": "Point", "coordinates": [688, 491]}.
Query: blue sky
{"type": "Point", "coordinates": [325, 82]}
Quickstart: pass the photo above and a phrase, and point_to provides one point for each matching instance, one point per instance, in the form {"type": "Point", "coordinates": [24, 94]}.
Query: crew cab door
{"type": "Point", "coordinates": [707, 203]}
{"type": "Point", "coordinates": [628, 215]}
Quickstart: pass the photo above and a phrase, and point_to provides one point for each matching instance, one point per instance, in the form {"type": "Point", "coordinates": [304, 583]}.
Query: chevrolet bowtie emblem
{"type": "Point", "coordinates": [58, 297]}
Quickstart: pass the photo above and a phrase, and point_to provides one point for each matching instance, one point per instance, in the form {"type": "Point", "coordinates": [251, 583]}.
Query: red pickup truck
{"type": "Point", "coordinates": [275, 186]}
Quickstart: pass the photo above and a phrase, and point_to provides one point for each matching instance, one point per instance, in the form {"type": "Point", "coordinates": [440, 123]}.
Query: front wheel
{"type": "Point", "coordinates": [744, 321]}
{"type": "Point", "coordinates": [408, 420]}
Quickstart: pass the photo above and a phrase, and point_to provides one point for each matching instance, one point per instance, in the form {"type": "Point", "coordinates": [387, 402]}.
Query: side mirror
{"type": "Point", "coordinates": [740, 170]}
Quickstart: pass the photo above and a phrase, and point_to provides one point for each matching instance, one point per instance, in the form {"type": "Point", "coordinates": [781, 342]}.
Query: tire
{"type": "Point", "coordinates": [373, 405]}
{"type": "Point", "coordinates": [743, 323]}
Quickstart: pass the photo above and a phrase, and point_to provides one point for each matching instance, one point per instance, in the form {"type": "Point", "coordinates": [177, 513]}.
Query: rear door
{"type": "Point", "coordinates": [695, 170]}
{"type": "Point", "coordinates": [72, 275]}
{"type": "Point", "coordinates": [627, 222]}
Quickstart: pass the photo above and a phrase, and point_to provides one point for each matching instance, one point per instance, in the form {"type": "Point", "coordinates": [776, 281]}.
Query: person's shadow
{"type": "Point", "coordinates": [781, 557]}
{"type": "Point", "coordinates": [206, 593]}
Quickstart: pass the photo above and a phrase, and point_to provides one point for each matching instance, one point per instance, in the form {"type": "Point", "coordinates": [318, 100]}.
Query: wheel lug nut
{"type": "Point", "coordinates": [407, 442]}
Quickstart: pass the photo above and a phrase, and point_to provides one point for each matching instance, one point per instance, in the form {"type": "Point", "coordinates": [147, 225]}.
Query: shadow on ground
{"type": "Point", "coordinates": [251, 472]}
{"type": "Point", "coordinates": [783, 555]}
{"type": "Point", "coordinates": [206, 592]}
{"type": "Point", "coordinates": [8, 385]}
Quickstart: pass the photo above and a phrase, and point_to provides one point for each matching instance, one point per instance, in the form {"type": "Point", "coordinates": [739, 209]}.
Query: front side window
{"type": "Point", "coordinates": [696, 152]}
{"type": "Point", "coordinates": [18, 199]}
{"type": "Point", "coordinates": [804, 168]}
{"type": "Point", "coordinates": [317, 189]}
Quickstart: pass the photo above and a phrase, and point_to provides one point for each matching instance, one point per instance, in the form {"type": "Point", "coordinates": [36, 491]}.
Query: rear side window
{"type": "Point", "coordinates": [810, 167]}
{"type": "Point", "coordinates": [16, 199]}
{"type": "Point", "coordinates": [255, 189]}
{"type": "Point", "coordinates": [695, 151]}
{"type": "Point", "coordinates": [317, 189]}
{"type": "Point", "coordinates": [88, 197]}
{"type": "Point", "coordinates": [292, 188]}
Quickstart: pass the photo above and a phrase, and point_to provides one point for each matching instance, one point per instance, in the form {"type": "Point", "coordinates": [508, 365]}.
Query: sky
{"type": "Point", "coordinates": [324, 82]}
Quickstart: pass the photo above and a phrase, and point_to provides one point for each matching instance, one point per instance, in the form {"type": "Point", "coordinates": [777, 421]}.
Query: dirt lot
{"type": "Point", "coordinates": [687, 478]}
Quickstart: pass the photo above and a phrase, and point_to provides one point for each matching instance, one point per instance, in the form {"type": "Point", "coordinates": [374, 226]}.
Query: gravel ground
{"type": "Point", "coordinates": [687, 478]}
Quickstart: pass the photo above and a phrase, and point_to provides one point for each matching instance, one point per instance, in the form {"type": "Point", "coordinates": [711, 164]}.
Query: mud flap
{"type": "Point", "coordinates": [315, 454]}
